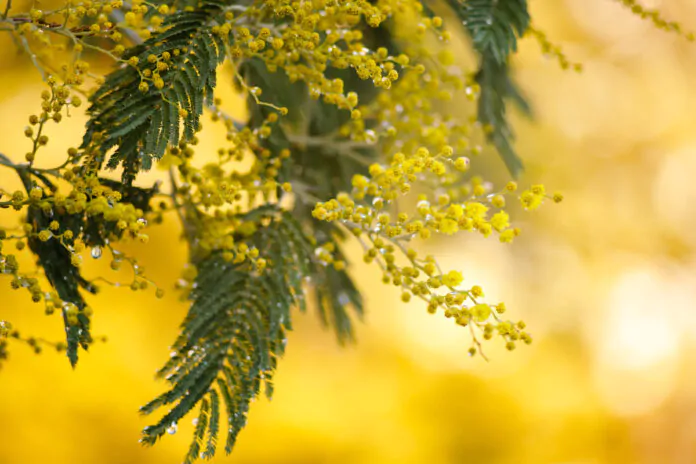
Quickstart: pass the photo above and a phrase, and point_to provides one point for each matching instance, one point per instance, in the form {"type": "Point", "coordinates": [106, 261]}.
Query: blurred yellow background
{"type": "Point", "coordinates": [606, 282]}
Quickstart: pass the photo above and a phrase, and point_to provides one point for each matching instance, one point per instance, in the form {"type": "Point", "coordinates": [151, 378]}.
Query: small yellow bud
{"type": "Point", "coordinates": [476, 291]}
{"type": "Point", "coordinates": [45, 235]}
{"type": "Point", "coordinates": [481, 312]}
{"type": "Point", "coordinates": [461, 163]}
{"type": "Point", "coordinates": [36, 193]}
{"type": "Point", "coordinates": [452, 278]}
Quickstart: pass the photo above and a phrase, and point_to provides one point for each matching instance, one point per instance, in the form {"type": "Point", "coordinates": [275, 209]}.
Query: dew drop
{"type": "Point", "coordinates": [370, 136]}
{"type": "Point", "coordinates": [195, 421]}
{"type": "Point", "coordinates": [96, 252]}
{"type": "Point", "coordinates": [171, 430]}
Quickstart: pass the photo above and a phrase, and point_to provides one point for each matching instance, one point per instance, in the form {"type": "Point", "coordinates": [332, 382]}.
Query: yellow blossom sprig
{"type": "Point", "coordinates": [37, 344]}
{"type": "Point", "coordinates": [427, 150]}
{"type": "Point", "coordinates": [88, 198]}
{"type": "Point", "coordinates": [381, 235]}
{"type": "Point", "coordinates": [54, 101]}
{"type": "Point", "coordinates": [654, 16]}
{"type": "Point", "coordinates": [9, 266]}
{"type": "Point", "coordinates": [550, 49]}
{"type": "Point", "coordinates": [45, 33]}
{"type": "Point", "coordinates": [424, 279]}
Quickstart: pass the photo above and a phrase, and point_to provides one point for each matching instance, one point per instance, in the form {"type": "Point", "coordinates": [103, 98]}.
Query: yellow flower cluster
{"type": "Point", "coordinates": [429, 152]}
{"type": "Point", "coordinates": [88, 201]}
{"type": "Point", "coordinates": [54, 102]}
{"type": "Point", "coordinates": [426, 151]}
{"type": "Point", "coordinates": [384, 237]}
{"type": "Point", "coordinates": [422, 277]}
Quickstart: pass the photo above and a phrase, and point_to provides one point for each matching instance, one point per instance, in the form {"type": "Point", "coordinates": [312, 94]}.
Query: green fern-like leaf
{"type": "Point", "coordinates": [494, 27]}
{"type": "Point", "coordinates": [55, 259]}
{"type": "Point", "coordinates": [141, 124]}
{"type": "Point", "coordinates": [66, 279]}
{"type": "Point", "coordinates": [232, 336]}
{"type": "Point", "coordinates": [497, 89]}
{"type": "Point", "coordinates": [320, 168]}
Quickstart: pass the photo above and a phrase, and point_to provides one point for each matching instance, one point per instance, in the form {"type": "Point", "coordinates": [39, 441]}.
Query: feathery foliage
{"type": "Point", "coordinates": [233, 335]}
{"type": "Point", "coordinates": [494, 27]}
{"type": "Point", "coordinates": [67, 281]}
{"type": "Point", "coordinates": [141, 114]}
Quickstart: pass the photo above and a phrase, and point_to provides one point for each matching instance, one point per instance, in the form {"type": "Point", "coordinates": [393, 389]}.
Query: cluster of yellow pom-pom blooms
{"type": "Point", "coordinates": [426, 148]}
{"type": "Point", "coordinates": [384, 236]}
{"type": "Point", "coordinates": [427, 151]}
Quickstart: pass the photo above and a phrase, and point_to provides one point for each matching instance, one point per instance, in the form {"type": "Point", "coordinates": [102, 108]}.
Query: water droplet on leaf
{"type": "Point", "coordinates": [96, 252]}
